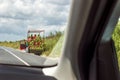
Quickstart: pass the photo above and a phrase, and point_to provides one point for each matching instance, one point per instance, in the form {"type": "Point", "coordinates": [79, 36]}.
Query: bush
{"type": "Point", "coordinates": [116, 39]}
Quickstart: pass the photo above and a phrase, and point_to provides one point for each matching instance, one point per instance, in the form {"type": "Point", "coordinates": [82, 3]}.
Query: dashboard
{"type": "Point", "coordinates": [8, 72]}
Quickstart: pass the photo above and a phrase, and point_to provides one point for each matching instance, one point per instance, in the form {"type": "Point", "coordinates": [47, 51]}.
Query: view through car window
{"type": "Point", "coordinates": [31, 28]}
{"type": "Point", "coordinates": [116, 39]}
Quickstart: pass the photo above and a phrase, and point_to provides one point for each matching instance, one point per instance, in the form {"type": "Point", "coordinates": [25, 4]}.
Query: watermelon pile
{"type": "Point", "coordinates": [36, 43]}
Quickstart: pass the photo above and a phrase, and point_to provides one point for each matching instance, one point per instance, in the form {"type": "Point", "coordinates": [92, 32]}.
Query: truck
{"type": "Point", "coordinates": [35, 42]}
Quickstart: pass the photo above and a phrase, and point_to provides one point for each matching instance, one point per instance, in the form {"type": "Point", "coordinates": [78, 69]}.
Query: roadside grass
{"type": "Point", "coordinates": [14, 45]}
{"type": "Point", "coordinates": [50, 44]}
{"type": "Point", "coordinates": [56, 48]}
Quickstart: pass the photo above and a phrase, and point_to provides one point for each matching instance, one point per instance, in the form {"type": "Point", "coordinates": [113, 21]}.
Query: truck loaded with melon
{"type": "Point", "coordinates": [35, 42]}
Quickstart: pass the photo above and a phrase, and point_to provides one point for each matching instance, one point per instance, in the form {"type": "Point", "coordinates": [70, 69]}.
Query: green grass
{"type": "Point", "coordinates": [14, 45]}
{"type": "Point", "coordinates": [54, 46]}
{"type": "Point", "coordinates": [50, 44]}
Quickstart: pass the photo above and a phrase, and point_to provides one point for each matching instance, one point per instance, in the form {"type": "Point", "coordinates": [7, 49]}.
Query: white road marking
{"type": "Point", "coordinates": [16, 57]}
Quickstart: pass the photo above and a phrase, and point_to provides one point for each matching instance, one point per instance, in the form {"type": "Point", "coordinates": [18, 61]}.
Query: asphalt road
{"type": "Point", "coordinates": [15, 57]}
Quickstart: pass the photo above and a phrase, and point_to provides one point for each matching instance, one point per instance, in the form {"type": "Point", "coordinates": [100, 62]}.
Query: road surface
{"type": "Point", "coordinates": [16, 57]}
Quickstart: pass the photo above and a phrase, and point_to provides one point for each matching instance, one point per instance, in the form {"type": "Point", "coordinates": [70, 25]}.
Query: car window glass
{"type": "Point", "coordinates": [32, 27]}
{"type": "Point", "coordinates": [116, 39]}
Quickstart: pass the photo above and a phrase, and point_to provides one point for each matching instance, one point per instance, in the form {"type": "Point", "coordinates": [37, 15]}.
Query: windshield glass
{"type": "Point", "coordinates": [31, 30]}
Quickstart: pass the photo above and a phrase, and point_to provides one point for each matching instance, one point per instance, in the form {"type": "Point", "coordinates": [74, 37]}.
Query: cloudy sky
{"type": "Point", "coordinates": [17, 16]}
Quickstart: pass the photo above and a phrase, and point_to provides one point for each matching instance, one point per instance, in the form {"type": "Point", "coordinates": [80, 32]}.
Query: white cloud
{"type": "Point", "coordinates": [17, 16]}
{"type": "Point", "coordinates": [11, 37]}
